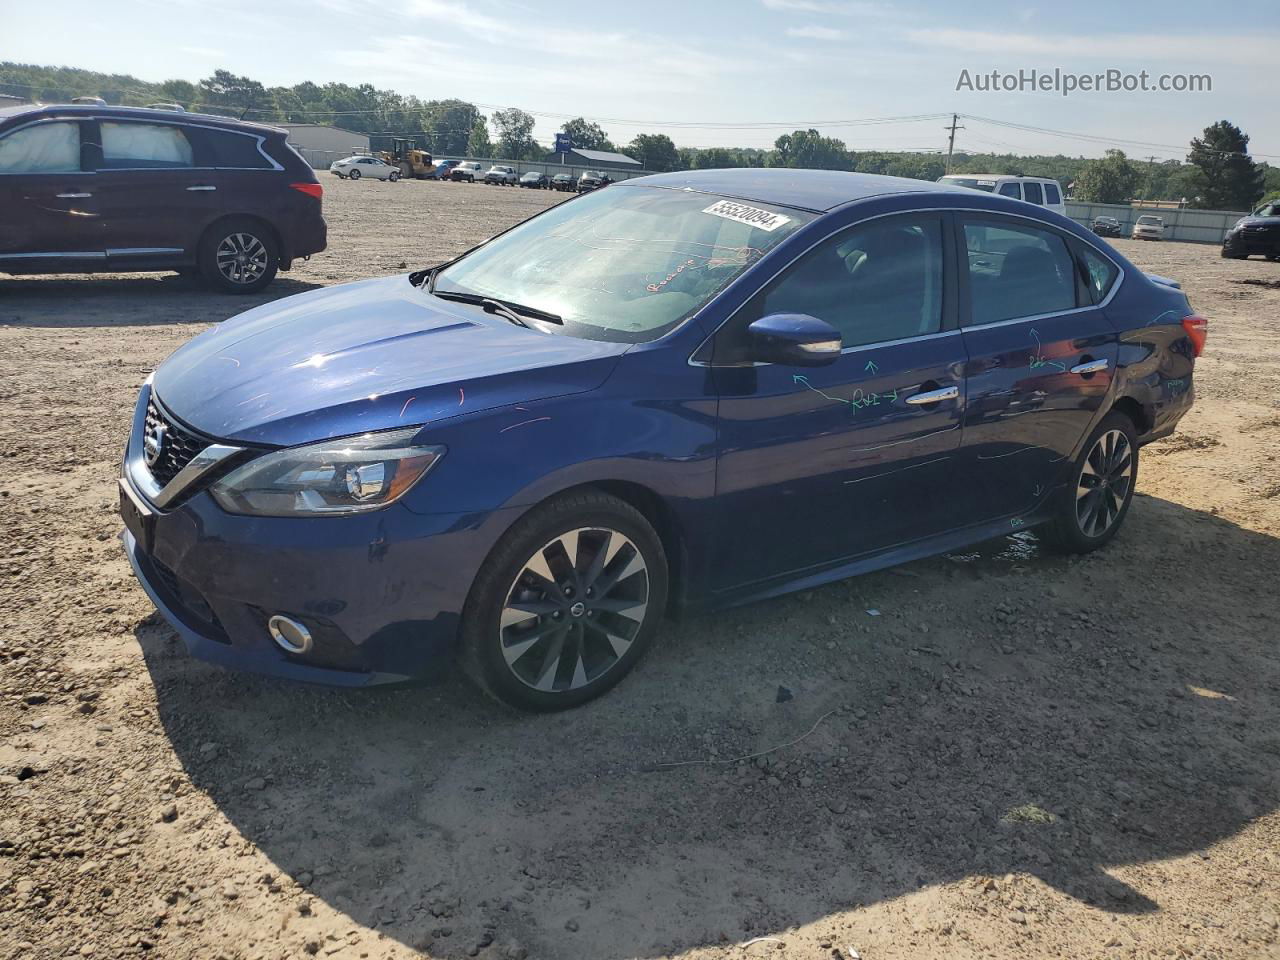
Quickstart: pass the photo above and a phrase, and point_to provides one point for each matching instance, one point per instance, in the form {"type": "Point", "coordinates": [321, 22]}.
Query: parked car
{"type": "Point", "coordinates": [502, 175]}
{"type": "Point", "coordinates": [356, 167]}
{"type": "Point", "coordinates": [564, 181]}
{"type": "Point", "coordinates": [1257, 233]}
{"type": "Point", "coordinates": [534, 180]}
{"type": "Point", "coordinates": [1148, 227]}
{"type": "Point", "coordinates": [1107, 227]}
{"type": "Point", "coordinates": [441, 172]}
{"type": "Point", "coordinates": [1041, 191]}
{"type": "Point", "coordinates": [593, 180]}
{"type": "Point", "coordinates": [466, 170]}
{"type": "Point", "coordinates": [688, 391]}
{"type": "Point", "coordinates": [91, 188]}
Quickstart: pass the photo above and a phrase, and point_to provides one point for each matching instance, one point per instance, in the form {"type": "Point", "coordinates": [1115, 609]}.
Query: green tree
{"type": "Point", "coordinates": [448, 125]}
{"type": "Point", "coordinates": [656, 151]}
{"type": "Point", "coordinates": [240, 94]}
{"type": "Point", "coordinates": [587, 136]}
{"type": "Point", "coordinates": [916, 167]}
{"type": "Point", "coordinates": [183, 92]}
{"type": "Point", "coordinates": [478, 143]}
{"type": "Point", "coordinates": [1111, 179]}
{"type": "Point", "coordinates": [810, 150]}
{"type": "Point", "coordinates": [712, 158]}
{"type": "Point", "coordinates": [515, 133]}
{"type": "Point", "coordinates": [1229, 178]}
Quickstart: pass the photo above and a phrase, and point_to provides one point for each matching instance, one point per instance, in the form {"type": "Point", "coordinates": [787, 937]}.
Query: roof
{"type": "Point", "coordinates": [321, 126]}
{"type": "Point", "coordinates": [817, 190]}
{"type": "Point", "coordinates": [136, 113]}
{"type": "Point", "coordinates": [604, 156]}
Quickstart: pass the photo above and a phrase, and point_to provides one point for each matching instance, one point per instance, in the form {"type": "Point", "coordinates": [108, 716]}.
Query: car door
{"type": "Point", "coordinates": [49, 213]}
{"type": "Point", "coordinates": [154, 200]}
{"type": "Point", "coordinates": [1041, 360]}
{"type": "Point", "coordinates": [822, 464]}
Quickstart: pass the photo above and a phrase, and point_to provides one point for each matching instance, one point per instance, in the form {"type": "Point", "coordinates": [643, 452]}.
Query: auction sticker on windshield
{"type": "Point", "coordinates": [765, 220]}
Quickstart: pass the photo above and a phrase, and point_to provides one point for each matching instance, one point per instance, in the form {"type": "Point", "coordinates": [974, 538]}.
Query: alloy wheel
{"type": "Point", "coordinates": [242, 258]}
{"type": "Point", "coordinates": [574, 610]}
{"type": "Point", "coordinates": [1106, 477]}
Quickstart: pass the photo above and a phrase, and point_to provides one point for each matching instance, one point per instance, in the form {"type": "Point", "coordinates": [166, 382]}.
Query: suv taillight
{"type": "Point", "coordinates": [1197, 332]}
{"type": "Point", "coordinates": [310, 189]}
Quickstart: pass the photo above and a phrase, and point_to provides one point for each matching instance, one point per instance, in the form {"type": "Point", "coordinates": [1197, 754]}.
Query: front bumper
{"type": "Point", "coordinates": [382, 593]}
{"type": "Point", "coordinates": [1246, 242]}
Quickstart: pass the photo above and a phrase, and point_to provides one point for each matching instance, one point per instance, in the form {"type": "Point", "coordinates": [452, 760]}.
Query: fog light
{"type": "Point", "coordinates": [289, 635]}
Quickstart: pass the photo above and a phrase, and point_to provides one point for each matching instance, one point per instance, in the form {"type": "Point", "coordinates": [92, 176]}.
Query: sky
{"type": "Point", "coordinates": [719, 73]}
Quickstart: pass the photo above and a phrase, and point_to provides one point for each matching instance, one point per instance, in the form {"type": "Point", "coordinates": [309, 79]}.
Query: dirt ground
{"type": "Point", "coordinates": [1020, 756]}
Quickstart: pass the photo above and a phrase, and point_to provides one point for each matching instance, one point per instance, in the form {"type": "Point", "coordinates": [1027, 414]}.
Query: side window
{"type": "Point", "coordinates": [1051, 193]}
{"type": "Point", "coordinates": [1102, 274]}
{"type": "Point", "coordinates": [41, 148]}
{"type": "Point", "coordinates": [875, 282]}
{"type": "Point", "coordinates": [132, 145]}
{"type": "Point", "coordinates": [1011, 190]}
{"type": "Point", "coordinates": [1032, 193]}
{"type": "Point", "coordinates": [223, 148]}
{"type": "Point", "coordinates": [1017, 271]}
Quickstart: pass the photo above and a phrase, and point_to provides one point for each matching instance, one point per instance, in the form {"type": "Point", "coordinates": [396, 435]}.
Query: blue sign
{"type": "Point", "coordinates": [563, 143]}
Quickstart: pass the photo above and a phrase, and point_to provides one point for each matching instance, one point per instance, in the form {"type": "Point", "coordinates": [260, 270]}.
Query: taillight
{"type": "Point", "coordinates": [1197, 332]}
{"type": "Point", "coordinates": [310, 189]}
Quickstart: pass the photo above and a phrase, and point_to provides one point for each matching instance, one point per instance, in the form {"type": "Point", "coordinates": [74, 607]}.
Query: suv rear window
{"type": "Point", "coordinates": [1051, 193]}
{"type": "Point", "coordinates": [1032, 193]}
{"type": "Point", "coordinates": [230, 150]}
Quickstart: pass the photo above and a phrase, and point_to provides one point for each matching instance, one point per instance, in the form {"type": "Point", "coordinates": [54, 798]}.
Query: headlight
{"type": "Point", "coordinates": [348, 475]}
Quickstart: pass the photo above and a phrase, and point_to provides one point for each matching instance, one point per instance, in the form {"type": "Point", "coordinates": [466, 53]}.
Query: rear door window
{"type": "Point", "coordinates": [130, 146]}
{"type": "Point", "coordinates": [41, 148]}
{"type": "Point", "coordinates": [1011, 190]}
{"type": "Point", "coordinates": [1032, 193]}
{"type": "Point", "coordinates": [1017, 271]}
{"type": "Point", "coordinates": [1101, 272]}
{"type": "Point", "coordinates": [1051, 194]}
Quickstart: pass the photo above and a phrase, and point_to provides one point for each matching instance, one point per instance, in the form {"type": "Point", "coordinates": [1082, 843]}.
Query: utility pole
{"type": "Point", "coordinates": [1151, 178]}
{"type": "Point", "coordinates": [951, 141]}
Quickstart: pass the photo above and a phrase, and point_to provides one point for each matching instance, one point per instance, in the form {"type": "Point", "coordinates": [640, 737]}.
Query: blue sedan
{"type": "Point", "coordinates": [687, 391]}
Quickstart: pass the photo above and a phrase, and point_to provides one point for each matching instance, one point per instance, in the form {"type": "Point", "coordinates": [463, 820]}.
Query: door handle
{"type": "Point", "coordinates": [201, 187]}
{"type": "Point", "coordinates": [73, 196]}
{"type": "Point", "coordinates": [1091, 366]}
{"type": "Point", "coordinates": [934, 396]}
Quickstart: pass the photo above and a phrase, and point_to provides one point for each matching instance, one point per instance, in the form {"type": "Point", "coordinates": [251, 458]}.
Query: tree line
{"type": "Point", "coordinates": [1217, 173]}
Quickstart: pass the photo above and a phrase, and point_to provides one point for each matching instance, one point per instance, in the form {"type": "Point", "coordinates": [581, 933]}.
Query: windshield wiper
{"type": "Point", "coordinates": [508, 310]}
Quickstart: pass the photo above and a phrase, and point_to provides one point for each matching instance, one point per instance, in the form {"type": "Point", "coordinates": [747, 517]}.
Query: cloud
{"type": "Point", "coordinates": [844, 9]}
{"type": "Point", "coordinates": [815, 33]}
{"type": "Point", "coordinates": [1115, 47]}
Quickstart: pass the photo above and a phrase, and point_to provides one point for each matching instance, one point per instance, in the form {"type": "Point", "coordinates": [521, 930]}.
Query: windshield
{"type": "Point", "coordinates": [1149, 220]}
{"type": "Point", "coordinates": [623, 264]}
{"type": "Point", "coordinates": [972, 182]}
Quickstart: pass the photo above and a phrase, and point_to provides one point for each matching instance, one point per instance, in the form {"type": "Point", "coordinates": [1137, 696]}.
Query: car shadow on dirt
{"type": "Point", "coordinates": [1002, 711]}
{"type": "Point", "coordinates": [131, 300]}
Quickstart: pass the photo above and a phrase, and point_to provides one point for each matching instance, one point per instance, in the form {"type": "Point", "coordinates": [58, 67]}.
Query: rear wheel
{"type": "Point", "coordinates": [239, 256]}
{"type": "Point", "coordinates": [1094, 503]}
{"type": "Point", "coordinates": [566, 604]}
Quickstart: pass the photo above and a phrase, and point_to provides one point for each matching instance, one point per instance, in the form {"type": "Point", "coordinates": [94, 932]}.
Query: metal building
{"type": "Point", "coordinates": [320, 145]}
{"type": "Point", "coordinates": [597, 160]}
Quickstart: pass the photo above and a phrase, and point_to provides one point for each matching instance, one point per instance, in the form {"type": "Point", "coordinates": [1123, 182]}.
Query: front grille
{"type": "Point", "coordinates": [177, 449]}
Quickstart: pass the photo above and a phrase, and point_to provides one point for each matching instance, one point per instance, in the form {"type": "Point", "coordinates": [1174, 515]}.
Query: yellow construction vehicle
{"type": "Point", "coordinates": [412, 162]}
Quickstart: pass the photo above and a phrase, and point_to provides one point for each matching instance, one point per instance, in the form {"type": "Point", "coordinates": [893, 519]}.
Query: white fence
{"type": "Point", "coordinates": [1192, 226]}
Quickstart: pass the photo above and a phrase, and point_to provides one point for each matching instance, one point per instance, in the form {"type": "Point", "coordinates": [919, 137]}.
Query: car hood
{"type": "Point", "coordinates": [363, 356]}
{"type": "Point", "coordinates": [1258, 222]}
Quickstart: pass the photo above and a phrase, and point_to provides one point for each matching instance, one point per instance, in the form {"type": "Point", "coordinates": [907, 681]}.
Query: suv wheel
{"type": "Point", "coordinates": [239, 256]}
{"type": "Point", "coordinates": [566, 604]}
{"type": "Point", "coordinates": [1094, 503]}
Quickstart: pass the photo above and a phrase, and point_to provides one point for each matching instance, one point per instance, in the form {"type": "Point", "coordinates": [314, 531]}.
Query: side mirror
{"type": "Point", "coordinates": [793, 339]}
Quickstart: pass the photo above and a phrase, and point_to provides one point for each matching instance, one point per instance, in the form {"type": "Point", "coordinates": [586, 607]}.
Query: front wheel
{"type": "Point", "coordinates": [393, 176]}
{"type": "Point", "coordinates": [1094, 503]}
{"type": "Point", "coordinates": [354, 174]}
{"type": "Point", "coordinates": [566, 604]}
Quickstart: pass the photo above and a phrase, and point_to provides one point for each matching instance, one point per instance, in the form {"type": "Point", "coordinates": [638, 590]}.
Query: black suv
{"type": "Point", "coordinates": [115, 189]}
{"type": "Point", "coordinates": [593, 180]}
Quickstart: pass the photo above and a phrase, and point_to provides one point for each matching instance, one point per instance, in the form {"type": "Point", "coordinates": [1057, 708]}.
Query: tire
{"type": "Point", "coordinates": [1086, 521]}
{"type": "Point", "coordinates": [393, 176]}
{"type": "Point", "coordinates": [557, 649]}
{"type": "Point", "coordinates": [239, 255]}
{"type": "Point", "coordinates": [354, 174]}
{"type": "Point", "coordinates": [406, 169]}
